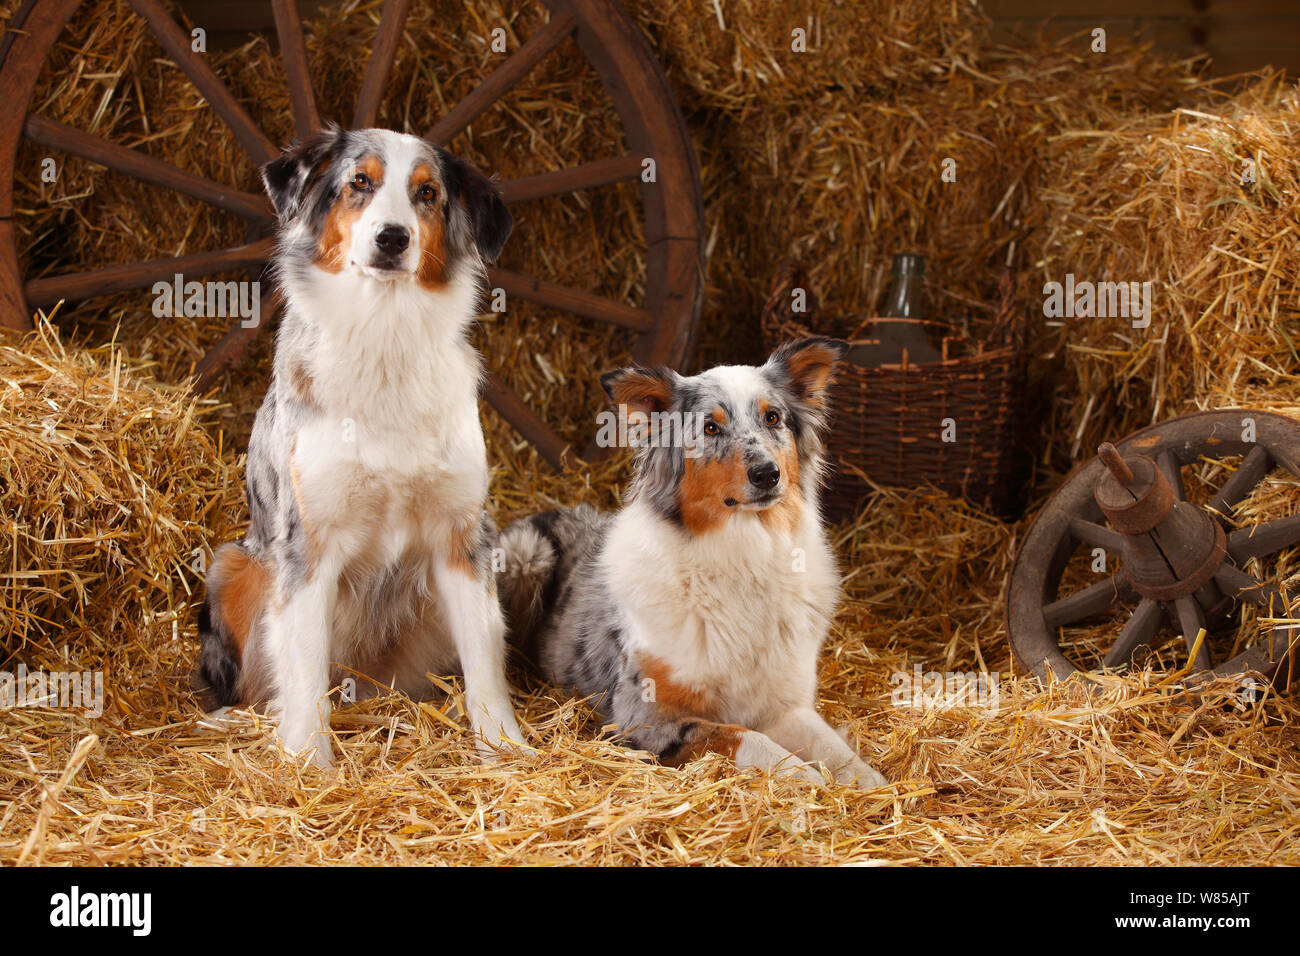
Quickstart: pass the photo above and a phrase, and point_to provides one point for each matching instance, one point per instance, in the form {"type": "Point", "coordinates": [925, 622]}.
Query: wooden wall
{"type": "Point", "coordinates": [1238, 34]}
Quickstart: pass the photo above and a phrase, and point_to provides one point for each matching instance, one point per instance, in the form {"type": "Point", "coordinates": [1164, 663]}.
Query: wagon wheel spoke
{"type": "Point", "coordinates": [526, 422]}
{"type": "Point", "coordinates": [572, 300]}
{"type": "Point", "coordinates": [145, 168]}
{"type": "Point", "coordinates": [1099, 536]}
{"type": "Point", "coordinates": [177, 45]}
{"type": "Point", "coordinates": [133, 275]}
{"type": "Point", "coordinates": [505, 76]}
{"type": "Point", "coordinates": [601, 172]}
{"type": "Point", "coordinates": [1282, 458]}
{"type": "Point", "coordinates": [293, 53]}
{"type": "Point", "coordinates": [1085, 603]}
{"type": "Point", "coordinates": [235, 342]}
{"type": "Point", "coordinates": [1191, 619]}
{"type": "Point", "coordinates": [1247, 587]}
{"type": "Point", "coordinates": [382, 54]}
{"type": "Point", "coordinates": [1173, 473]}
{"type": "Point", "coordinates": [1140, 631]}
{"type": "Point", "coordinates": [1249, 474]}
{"type": "Point", "coordinates": [1263, 539]}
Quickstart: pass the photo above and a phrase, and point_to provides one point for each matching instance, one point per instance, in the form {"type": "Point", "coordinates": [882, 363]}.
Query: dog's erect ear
{"type": "Point", "coordinates": [489, 219]}
{"type": "Point", "coordinates": [640, 389]}
{"type": "Point", "coordinates": [808, 364]}
{"type": "Point", "coordinates": [288, 177]}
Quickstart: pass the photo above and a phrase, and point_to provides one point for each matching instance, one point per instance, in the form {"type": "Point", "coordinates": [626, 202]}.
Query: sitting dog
{"type": "Point", "coordinates": [367, 551]}
{"type": "Point", "coordinates": [693, 617]}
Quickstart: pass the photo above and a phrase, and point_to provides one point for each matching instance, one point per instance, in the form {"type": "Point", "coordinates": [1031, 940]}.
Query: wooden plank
{"type": "Point", "coordinates": [176, 43]}
{"type": "Point", "coordinates": [240, 17]}
{"type": "Point", "coordinates": [293, 53]}
{"type": "Point", "coordinates": [1250, 9]}
{"type": "Point", "coordinates": [600, 172]}
{"type": "Point", "coordinates": [380, 64]}
{"type": "Point", "coordinates": [1083, 9]}
{"type": "Point", "coordinates": [503, 78]}
{"type": "Point", "coordinates": [141, 166]}
{"type": "Point", "coordinates": [1173, 36]}
{"type": "Point", "coordinates": [134, 275]}
{"type": "Point", "coordinates": [1232, 62]}
{"type": "Point", "coordinates": [575, 301]}
{"type": "Point", "coordinates": [1236, 34]}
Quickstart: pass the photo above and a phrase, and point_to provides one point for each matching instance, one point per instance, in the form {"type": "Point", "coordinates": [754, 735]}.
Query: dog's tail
{"type": "Point", "coordinates": [237, 587]}
{"type": "Point", "coordinates": [541, 552]}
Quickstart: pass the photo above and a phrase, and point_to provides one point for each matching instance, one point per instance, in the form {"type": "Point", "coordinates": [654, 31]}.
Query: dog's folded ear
{"type": "Point", "coordinates": [490, 221]}
{"type": "Point", "coordinates": [808, 364]}
{"type": "Point", "coordinates": [290, 175]}
{"type": "Point", "coordinates": [641, 389]}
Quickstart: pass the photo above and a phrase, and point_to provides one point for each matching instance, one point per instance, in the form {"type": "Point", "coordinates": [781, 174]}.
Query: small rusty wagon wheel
{"type": "Point", "coordinates": [663, 323]}
{"type": "Point", "coordinates": [1180, 564]}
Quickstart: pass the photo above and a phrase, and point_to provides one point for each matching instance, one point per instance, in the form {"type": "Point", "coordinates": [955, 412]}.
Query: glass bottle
{"type": "Point", "coordinates": [899, 331]}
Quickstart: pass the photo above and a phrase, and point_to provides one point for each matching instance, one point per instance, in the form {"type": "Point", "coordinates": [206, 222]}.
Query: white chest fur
{"type": "Point", "coordinates": [393, 439]}
{"type": "Point", "coordinates": [741, 611]}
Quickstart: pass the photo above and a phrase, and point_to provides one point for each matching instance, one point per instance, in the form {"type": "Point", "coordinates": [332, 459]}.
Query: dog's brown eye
{"type": "Point", "coordinates": [426, 193]}
{"type": "Point", "coordinates": [711, 428]}
{"type": "Point", "coordinates": [361, 181]}
{"type": "Point", "coordinates": [772, 417]}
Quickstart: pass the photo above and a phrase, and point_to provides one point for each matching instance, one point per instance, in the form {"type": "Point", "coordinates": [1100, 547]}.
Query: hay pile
{"type": "Point", "coordinates": [739, 57]}
{"type": "Point", "coordinates": [1139, 774]}
{"type": "Point", "coordinates": [833, 156]}
{"type": "Point", "coordinates": [1166, 199]}
{"type": "Point", "coordinates": [110, 490]}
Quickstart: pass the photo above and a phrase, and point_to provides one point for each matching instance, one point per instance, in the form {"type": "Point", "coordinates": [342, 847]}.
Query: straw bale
{"type": "Point", "coordinates": [1163, 198]}
{"type": "Point", "coordinates": [112, 494]}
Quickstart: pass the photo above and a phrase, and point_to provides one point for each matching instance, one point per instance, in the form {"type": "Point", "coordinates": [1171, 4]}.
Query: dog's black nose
{"type": "Point", "coordinates": [393, 239]}
{"type": "Point", "coordinates": [765, 475]}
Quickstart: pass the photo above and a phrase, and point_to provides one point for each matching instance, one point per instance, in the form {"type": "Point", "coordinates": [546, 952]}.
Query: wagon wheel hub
{"type": "Point", "coordinates": [1181, 564]}
{"type": "Point", "coordinates": [1170, 548]}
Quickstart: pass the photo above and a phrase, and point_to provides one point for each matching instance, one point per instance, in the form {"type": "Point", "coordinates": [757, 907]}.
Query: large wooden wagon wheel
{"type": "Point", "coordinates": [664, 323]}
{"type": "Point", "coordinates": [1182, 566]}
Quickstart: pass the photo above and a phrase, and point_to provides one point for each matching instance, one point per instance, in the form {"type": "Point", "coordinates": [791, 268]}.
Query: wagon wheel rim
{"type": "Point", "coordinates": [672, 215]}
{"type": "Point", "coordinates": [1072, 519]}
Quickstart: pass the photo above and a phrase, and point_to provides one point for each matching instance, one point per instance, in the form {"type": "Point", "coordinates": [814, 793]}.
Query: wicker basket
{"type": "Point", "coordinates": [890, 423]}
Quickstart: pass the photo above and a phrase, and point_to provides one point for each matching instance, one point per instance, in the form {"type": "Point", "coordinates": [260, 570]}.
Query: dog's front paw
{"type": "Point", "coordinates": [811, 772]}
{"type": "Point", "coordinates": [322, 751]}
{"type": "Point", "coordinates": [860, 774]}
{"type": "Point", "coordinates": [501, 743]}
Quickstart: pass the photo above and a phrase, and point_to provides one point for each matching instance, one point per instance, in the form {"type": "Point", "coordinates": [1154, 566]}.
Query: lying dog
{"type": "Point", "coordinates": [367, 551]}
{"type": "Point", "coordinates": [694, 616]}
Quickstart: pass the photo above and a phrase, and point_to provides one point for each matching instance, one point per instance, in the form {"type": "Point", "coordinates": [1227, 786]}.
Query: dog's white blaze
{"type": "Point", "coordinates": [391, 204]}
